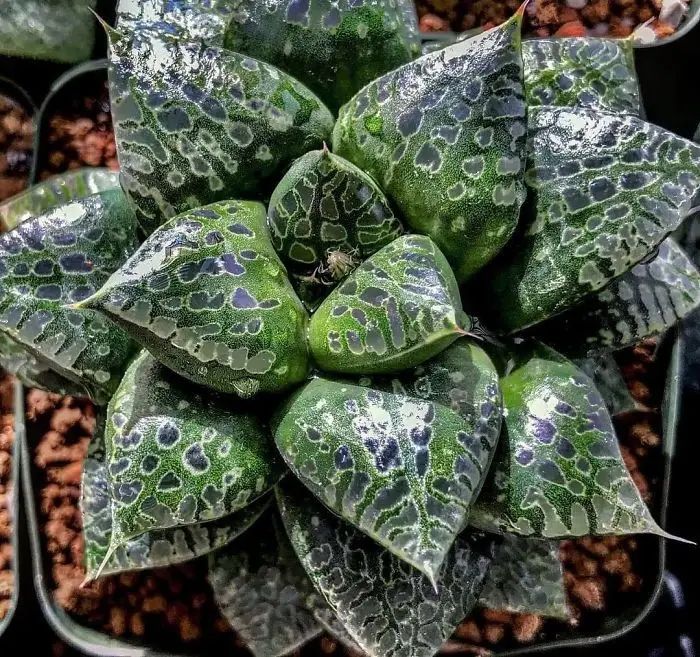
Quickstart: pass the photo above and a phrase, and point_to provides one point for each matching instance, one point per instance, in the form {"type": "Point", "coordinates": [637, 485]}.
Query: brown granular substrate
{"type": "Point", "coordinates": [170, 606]}
{"type": "Point", "coordinates": [615, 18]}
{"type": "Point", "coordinates": [16, 133]}
{"type": "Point", "coordinates": [7, 436]}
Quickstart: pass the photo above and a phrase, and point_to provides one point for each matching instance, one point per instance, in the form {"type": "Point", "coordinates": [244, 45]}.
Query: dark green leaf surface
{"type": "Point", "coordinates": [607, 190]}
{"type": "Point", "coordinates": [399, 308]}
{"type": "Point", "coordinates": [387, 607]}
{"type": "Point", "coordinates": [325, 217]}
{"type": "Point", "coordinates": [526, 577]}
{"type": "Point", "coordinates": [197, 124]}
{"type": "Point", "coordinates": [582, 72]}
{"type": "Point", "coordinates": [179, 455]}
{"type": "Point", "coordinates": [262, 590]}
{"type": "Point", "coordinates": [208, 296]}
{"type": "Point", "coordinates": [335, 47]}
{"type": "Point", "coordinates": [607, 377]}
{"type": "Point", "coordinates": [445, 138]}
{"type": "Point", "coordinates": [646, 301]}
{"type": "Point", "coordinates": [54, 191]}
{"type": "Point", "coordinates": [558, 470]}
{"type": "Point", "coordinates": [59, 258]}
{"type": "Point", "coordinates": [403, 469]}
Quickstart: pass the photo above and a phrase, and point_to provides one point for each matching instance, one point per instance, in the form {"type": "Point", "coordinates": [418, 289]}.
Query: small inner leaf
{"type": "Point", "coordinates": [387, 607]}
{"type": "Point", "coordinates": [445, 138]}
{"type": "Point", "coordinates": [325, 217]}
{"type": "Point", "coordinates": [396, 310]}
{"type": "Point", "coordinates": [209, 297]}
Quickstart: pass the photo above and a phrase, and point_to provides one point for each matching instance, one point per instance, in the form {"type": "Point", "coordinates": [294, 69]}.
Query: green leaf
{"type": "Point", "coordinates": [327, 619]}
{"type": "Point", "coordinates": [607, 190]}
{"type": "Point", "coordinates": [325, 217]}
{"type": "Point", "coordinates": [197, 124]}
{"type": "Point", "coordinates": [646, 301]}
{"type": "Point", "coordinates": [208, 296]}
{"type": "Point", "coordinates": [404, 469]}
{"type": "Point", "coordinates": [335, 48]}
{"type": "Point", "coordinates": [603, 370]}
{"type": "Point", "coordinates": [399, 308]}
{"type": "Point", "coordinates": [262, 590]}
{"type": "Point", "coordinates": [558, 470]}
{"type": "Point", "coordinates": [445, 138]}
{"type": "Point", "coordinates": [151, 549]}
{"type": "Point", "coordinates": [54, 191]}
{"type": "Point", "coordinates": [582, 72]}
{"type": "Point", "coordinates": [526, 577]}
{"type": "Point", "coordinates": [179, 455]}
{"type": "Point", "coordinates": [59, 258]}
{"type": "Point", "coordinates": [387, 607]}
{"type": "Point", "coordinates": [57, 30]}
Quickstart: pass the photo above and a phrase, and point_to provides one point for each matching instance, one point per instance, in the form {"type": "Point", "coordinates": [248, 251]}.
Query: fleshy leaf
{"type": "Point", "coordinates": [262, 590]}
{"type": "Point", "coordinates": [445, 138]}
{"type": "Point", "coordinates": [526, 577]}
{"type": "Point", "coordinates": [197, 124]}
{"type": "Point", "coordinates": [59, 30]}
{"type": "Point", "coordinates": [151, 549]}
{"type": "Point", "coordinates": [179, 455]}
{"type": "Point", "coordinates": [335, 48]}
{"type": "Point", "coordinates": [325, 217]}
{"type": "Point", "coordinates": [388, 608]}
{"type": "Point", "coordinates": [607, 191]}
{"type": "Point", "coordinates": [54, 191]}
{"type": "Point", "coordinates": [208, 296]}
{"type": "Point", "coordinates": [402, 469]}
{"type": "Point", "coordinates": [558, 470]}
{"type": "Point", "coordinates": [59, 258]}
{"type": "Point", "coordinates": [326, 617]}
{"type": "Point", "coordinates": [607, 378]}
{"type": "Point", "coordinates": [399, 308]}
{"type": "Point", "coordinates": [582, 72]}
{"type": "Point", "coordinates": [646, 301]}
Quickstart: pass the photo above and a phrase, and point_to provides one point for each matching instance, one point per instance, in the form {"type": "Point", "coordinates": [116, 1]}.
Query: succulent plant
{"type": "Point", "coordinates": [347, 393]}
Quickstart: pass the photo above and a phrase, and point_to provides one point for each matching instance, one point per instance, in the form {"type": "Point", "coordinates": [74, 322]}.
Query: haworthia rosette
{"type": "Point", "coordinates": [179, 455]}
{"type": "Point", "coordinates": [151, 549]}
{"type": "Point", "coordinates": [387, 607]}
{"type": "Point", "coordinates": [60, 258]}
{"type": "Point", "coordinates": [526, 577]}
{"type": "Point", "coordinates": [445, 138]}
{"type": "Point", "coordinates": [404, 469]}
{"type": "Point", "coordinates": [263, 591]}
{"type": "Point", "coordinates": [54, 191]}
{"type": "Point", "coordinates": [335, 47]}
{"type": "Point", "coordinates": [647, 300]}
{"type": "Point", "coordinates": [558, 470]}
{"type": "Point", "coordinates": [399, 308]}
{"type": "Point", "coordinates": [607, 191]}
{"type": "Point", "coordinates": [208, 296]}
{"type": "Point", "coordinates": [325, 217]}
{"type": "Point", "coordinates": [197, 124]}
{"type": "Point", "coordinates": [582, 72]}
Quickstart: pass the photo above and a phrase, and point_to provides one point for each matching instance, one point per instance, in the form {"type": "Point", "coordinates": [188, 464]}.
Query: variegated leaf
{"type": "Point", "coordinates": [558, 470]}
{"type": "Point", "coordinates": [526, 577]}
{"type": "Point", "coordinates": [582, 72]}
{"type": "Point", "coordinates": [335, 47]}
{"type": "Point", "coordinates": [180, 455]}
{"type": "Point", "coordinates": [607, 191]}
{"type": "Point", "coordinates": [646, 301]}
{"type": "Point", "coordinates": [151, 549]}
{"type": "Point", "coordinates": [262, 590]}
{"type": "Point", "coordinates": [404, 469]}
{"type": "Point", "coordinates": [387, 607]}
{"type": "Point", "coordinates": [603, 370]}
{"type": "Point", "coordinates": [399, 308]}
{"type": "Point", "coordinates": [59, 258]}
{"type": "Point", "coordinates": [325, 217]}
{"type": "Point", "coordinates": [327, 619]}
{"type": "Point", "coordinates": [445, 138]}
{"type": "Point", "coordinates": [69, 186]}
{"type": "Point", "coordinates": [208, 296]}
{"type": "Point", "coordinates": [197, 124]}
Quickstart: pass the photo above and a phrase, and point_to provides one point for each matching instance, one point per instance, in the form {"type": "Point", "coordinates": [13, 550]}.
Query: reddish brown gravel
{"type": "Point", "coordinates": [16, 133]}
{"type": "Point", "coordinates": [6, 443]}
